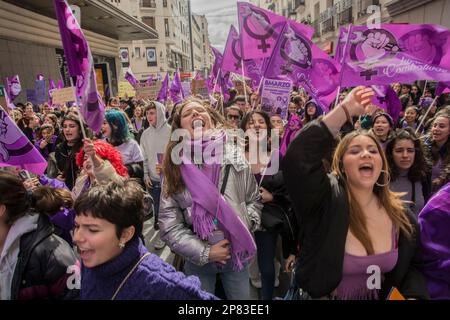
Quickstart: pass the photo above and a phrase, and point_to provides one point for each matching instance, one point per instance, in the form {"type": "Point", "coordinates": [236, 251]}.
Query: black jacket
{"type": "Point", "coordinates": [42, 265]}
{"type": "Point", "coordinates": [321, 204]}
{"type": "Point", "coordinates": [278, 215]}
{"type": "Point", "coordinates": [65, 161]}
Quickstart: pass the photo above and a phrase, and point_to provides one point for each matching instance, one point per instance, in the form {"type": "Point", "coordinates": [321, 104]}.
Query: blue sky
{"type": "Point", "coordinates": [220, 14]}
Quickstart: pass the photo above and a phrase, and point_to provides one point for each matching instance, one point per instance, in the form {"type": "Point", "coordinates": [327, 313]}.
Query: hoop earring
{"type": "Point", "coordinates": [388, 180]}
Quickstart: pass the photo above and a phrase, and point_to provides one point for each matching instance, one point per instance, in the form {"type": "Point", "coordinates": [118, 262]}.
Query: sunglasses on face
{"type": "Point", "coordinates": [233, 117]}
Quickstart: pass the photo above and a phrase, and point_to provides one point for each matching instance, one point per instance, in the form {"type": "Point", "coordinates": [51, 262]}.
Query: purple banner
{"type": "Point", "coordinates": [176, 90]}
{"type": "Point", "coordinates": [442, 87]}
{"type": "Point", "coordinates": [395, 53]}
{"type": "Point", "coordinates": [298, 59]}
{"type": "Point", "coordinates": [16, 149]}
{"type": "Point", "coordinates": [129, 76]}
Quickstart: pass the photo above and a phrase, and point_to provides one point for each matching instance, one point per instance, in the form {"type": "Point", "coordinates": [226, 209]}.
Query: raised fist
{"type": "Point", "coordinates": [374, 46]}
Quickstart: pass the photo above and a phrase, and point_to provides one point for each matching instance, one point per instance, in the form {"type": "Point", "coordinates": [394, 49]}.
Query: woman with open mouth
{"type": "Point", "coordinates": [115, 263]}
{"type": "Point", "coordinates": [383, 127]}
{"type": "Point", "coordinates": [357, 239]}
{"type": "Point", "coordinates": [209, 208]}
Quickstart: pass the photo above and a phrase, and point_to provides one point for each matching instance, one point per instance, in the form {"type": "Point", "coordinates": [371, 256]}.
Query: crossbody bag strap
{"type": "Point", "coordinates": [128, 275]}
{"type": "Point", "coordinates": [225, 178]}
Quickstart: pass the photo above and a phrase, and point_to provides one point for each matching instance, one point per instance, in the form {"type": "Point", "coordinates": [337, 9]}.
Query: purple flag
{"type": "Point", "coordinates": [80, 64]}
{"type": "Point", "coordinates": [395, 53]}
{"type": "Point", "coordinates": [442, 87]}
{"type": "Point", "coordinates": [150, 79]}
{"type": "Point", "coordinates": [51, 86]}
{"type": "Point", "coordinates": [162, 94]}
{"type": "Point", "coordinates": [218, 58]}
{"type": "Point", "coordinates": [232, 53]}
{"type": "Point", "coordinates": [198, 76]}
{"type": "Point", "coordinates": [434, 221]}
{"type": "Point", "coordinates": [297, 58]}
{"type": "Point", "coordinates": [386, 98]}
{"type": "Point", "coordinates": [260, 30]}
{"type": "Point", "coordinates": [176, 90]}
{"type": "Point", "coordinates": [60, 84]}
{"type": "Point", "coordinates": [290, 132]}
{"type": "Point", "coordinates": [13, 87]}
{"type": "Point", "coordinates": [16, 149]}
{"type": "Point", "coordinates": [129, 76]}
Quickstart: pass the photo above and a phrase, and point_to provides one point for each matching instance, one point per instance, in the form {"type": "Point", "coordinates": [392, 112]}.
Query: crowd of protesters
{"type": "Point", "coordinates": [348, 194]}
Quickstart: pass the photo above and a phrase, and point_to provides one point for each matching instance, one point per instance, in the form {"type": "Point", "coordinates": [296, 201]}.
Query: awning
{"type": "Point", "coordinates": [99, 16]}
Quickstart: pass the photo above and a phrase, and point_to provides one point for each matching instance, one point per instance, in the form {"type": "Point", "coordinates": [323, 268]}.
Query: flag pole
{"type": "Point", "coordinates": [243, 81]}
{"type": "Point", "coordinates": [426, 114]}
{"type": "Point", "coordinates": [80, 116]}
{"type": "Point", "coordinates": [257, 91]}
{"type": "Point", "coordinates": [342, 68]}
{"type": "Point", "coordinates": [215, 80]}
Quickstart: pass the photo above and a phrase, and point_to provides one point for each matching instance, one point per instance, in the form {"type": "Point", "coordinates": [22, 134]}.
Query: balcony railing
{"type": "Point", "coordinates": [345, 17]}
{"type": "Point", "coordinates": [328, 25]}
{"type": "Point", "coordinates": [316, 26]}
{"type": "Point", "coordinates": [148, 3]}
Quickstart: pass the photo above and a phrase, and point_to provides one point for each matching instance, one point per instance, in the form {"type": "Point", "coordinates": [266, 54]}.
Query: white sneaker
{"type": "Point", "coordinates": [256, 283]}
{"type": "Point", "coordinates": [159, 244]}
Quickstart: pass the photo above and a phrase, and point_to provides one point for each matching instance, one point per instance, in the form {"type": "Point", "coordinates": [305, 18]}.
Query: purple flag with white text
{"type": "Point", "coordinates": [395, 53]}
{"type": "Point", "coordinates": [298, 59]}
{"type": "Point", "coordinates": [16, 149]}
{"type": "Point", "coordinates": [80, 64]}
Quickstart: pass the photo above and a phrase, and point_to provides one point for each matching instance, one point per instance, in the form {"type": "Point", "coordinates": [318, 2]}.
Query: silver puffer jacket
{"type": "Point", "coordinates": [175, 216]}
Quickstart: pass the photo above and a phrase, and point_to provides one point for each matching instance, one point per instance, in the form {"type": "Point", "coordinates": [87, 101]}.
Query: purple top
{"type": "Point", "coordinates": [355, 273]}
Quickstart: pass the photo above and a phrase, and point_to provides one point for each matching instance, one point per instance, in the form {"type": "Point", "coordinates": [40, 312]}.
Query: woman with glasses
{"type": "Point", "coordinates": [409, 169]}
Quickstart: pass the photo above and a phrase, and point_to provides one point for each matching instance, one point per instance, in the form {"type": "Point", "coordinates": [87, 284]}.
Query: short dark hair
{"type": "Point", "coordinates": [119, 202]}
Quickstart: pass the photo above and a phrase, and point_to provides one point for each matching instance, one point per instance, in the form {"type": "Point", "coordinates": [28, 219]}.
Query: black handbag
{"type": "Point", "coordinates": [274, 218]}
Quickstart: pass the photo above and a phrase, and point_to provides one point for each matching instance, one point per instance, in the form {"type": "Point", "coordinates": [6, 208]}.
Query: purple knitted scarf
{"type": "Point", "coordinates": [208, 203]}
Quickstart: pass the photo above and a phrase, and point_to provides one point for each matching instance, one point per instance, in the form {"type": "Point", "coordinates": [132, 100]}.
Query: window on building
{"type": "Point", "coordinates": [166, 27]}
{"type": "Point", "coordinates": [137, 52]}
{"type": "Point", "coordinates": [165, 3]}
{"type": "Point", "coordinates": [148, 3]}
{"type": "Point", "coordinates": [150, 21]}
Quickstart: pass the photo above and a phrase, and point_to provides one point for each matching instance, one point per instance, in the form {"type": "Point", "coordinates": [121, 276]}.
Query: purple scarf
{"type": "Point", "coordinates": [208, 203]}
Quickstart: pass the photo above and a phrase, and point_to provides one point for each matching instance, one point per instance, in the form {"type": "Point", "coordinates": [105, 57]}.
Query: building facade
{"type": "Point", "coordinates": [30, 42]}
{"type": "Point", "coordinates": [172, 50]}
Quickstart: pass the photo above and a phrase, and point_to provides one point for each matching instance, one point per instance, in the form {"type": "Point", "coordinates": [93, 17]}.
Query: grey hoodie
{"type": "Point", "coordinates": [153, 141]}
{"type": "Point", "coordinates": [10, 253]}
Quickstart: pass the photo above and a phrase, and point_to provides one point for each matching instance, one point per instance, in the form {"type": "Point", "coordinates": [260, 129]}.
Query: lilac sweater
{"type": "Point", "coordinates": [153, 279]}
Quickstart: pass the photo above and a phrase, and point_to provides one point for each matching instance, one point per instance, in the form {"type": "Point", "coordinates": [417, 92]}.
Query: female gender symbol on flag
{"type": "Point", "coordinates": [262, 30]}
{"type": "Point", "coordinates": [236, 50]}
